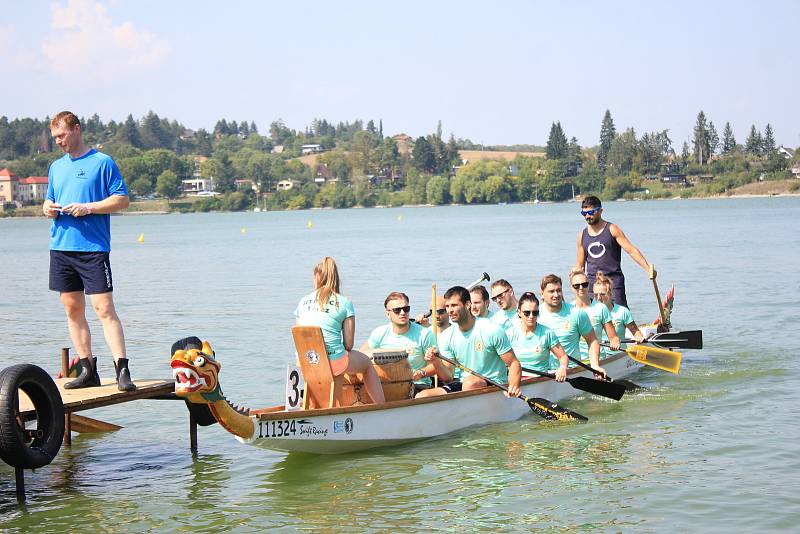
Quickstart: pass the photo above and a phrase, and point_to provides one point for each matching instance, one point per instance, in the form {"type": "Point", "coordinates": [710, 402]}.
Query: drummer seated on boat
{"type": "Point", "coordinates": [402, 333]}
{"type": "Point", "coordinates": [569, 322]}
{"type": "Point", "coordinates": [478, 344]}
{"type": "Point", "coordinates": [534, 343]}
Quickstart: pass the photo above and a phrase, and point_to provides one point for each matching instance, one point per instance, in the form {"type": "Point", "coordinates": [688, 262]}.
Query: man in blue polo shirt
{"type": "Point", "coordinates": [84, 188]}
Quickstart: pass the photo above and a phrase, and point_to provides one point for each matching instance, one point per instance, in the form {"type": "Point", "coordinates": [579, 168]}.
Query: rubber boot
{"type": "Point", "coordinates": [124, 382]}
{"type": "Point", "coordinates": [88, 377]}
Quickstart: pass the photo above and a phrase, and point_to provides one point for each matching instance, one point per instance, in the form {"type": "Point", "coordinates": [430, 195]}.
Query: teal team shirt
{"type": "Point", "coordinates": [479, 349]}
{"type": "Point", "coordinates": [416, 341]}
{"type": "Point", "coordinates": [569, 324]}
{"type": "Point", "coordinates": [533, 350]}
{"type": "Point", "coordinates": [599, 315]}
{"type": "Point", "coordinates": [90, 178]}
{"type": "Point", "coordinates": [329, 319]}
{"type": "Point", "coordinates": [620, 317]}
{"type": "Point", "coordinates": [504, 318]}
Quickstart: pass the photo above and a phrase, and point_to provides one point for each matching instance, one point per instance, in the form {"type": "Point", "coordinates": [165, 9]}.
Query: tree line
{"type": "Point", "coordinates": [364, 167]}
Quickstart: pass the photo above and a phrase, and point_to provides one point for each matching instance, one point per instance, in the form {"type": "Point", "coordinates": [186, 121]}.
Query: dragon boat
{"type": "Point", "coordinates": [342, 429]}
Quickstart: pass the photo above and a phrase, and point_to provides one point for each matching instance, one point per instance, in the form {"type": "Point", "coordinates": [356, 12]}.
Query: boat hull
{"type": "Point", "coordinates": [340, 430]}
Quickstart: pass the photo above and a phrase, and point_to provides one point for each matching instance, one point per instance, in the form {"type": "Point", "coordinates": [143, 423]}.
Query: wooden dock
{"type": "Point", "coordinates": [76, 400]}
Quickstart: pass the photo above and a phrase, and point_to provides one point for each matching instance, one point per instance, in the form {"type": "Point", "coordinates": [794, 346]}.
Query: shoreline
{"type": "Point", "coordinates": [25, 214]}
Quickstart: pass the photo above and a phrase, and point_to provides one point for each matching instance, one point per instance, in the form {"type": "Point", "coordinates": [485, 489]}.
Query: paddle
{"type": "Point", "coordinates": [659, 358]}
{"type": "Point", "coordinates": [661, 310]}
{"type": "Point", "coordinates": [435, 330]}
{"type": "Point", "coordinates": [479, 280]}
{"type": "Point", "coordinates": [484, 276]}
{"type": "Point", "coordinates": [541, 407]}
{"type": "Point", "coordinates": [679, 339]}
{"type": "Point", "coordinates": [627, 384]}
{"type": "Point", "coordinates": [598, 387]}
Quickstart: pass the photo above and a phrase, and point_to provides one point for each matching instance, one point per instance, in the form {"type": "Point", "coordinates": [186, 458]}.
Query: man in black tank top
{"type": "Point", "coordinates": [600, 247]}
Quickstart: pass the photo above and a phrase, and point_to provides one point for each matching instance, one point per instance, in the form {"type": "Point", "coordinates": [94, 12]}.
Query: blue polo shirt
{"type": "Point", "coordinates": [90, 178]}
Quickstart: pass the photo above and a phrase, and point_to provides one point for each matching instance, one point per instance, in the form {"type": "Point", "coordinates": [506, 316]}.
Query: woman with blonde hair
{"type": "Point", "coordinates": [621, 317]}
{"type": "Point", "coordinates": [328, 309]}
{"type": "Point", "coordinates": [597, 312]}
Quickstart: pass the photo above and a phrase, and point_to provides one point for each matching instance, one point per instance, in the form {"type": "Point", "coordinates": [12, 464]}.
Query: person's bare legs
{"type": "Point", "coordinates": [359, 363]}
{"type": "Point", "coordinates": [75, 307]}
{"type": "Point", "coordinates": [103, 304]}
{"type": "Point", "coordinates": [432, 392]}
{"type": "Point", "coordinates": [472, 382]}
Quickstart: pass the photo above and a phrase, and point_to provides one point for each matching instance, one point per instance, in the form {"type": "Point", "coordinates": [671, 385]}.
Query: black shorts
{"type": "Point", "coordinates": [452, 387]}
{"type": "Point", "coordinates": [89, 272]}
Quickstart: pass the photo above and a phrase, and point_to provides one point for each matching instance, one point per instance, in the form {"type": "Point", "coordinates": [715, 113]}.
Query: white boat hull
{"type": "Point", "coordinates": [355, 428]}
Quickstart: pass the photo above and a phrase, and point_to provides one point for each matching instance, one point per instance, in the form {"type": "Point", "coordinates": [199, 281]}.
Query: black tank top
{"type": "Point", "coordinates": [602, 252]}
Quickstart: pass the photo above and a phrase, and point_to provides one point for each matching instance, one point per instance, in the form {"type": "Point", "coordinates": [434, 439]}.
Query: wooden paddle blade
{"type": "Point", "coordinates": [603, 388]}
{"type": "Point", "coordinates": [552, 411]}
{"type": "Point", "coordinates": [664, 359]}
{"type": "Point", "coordinates": [683, 339]}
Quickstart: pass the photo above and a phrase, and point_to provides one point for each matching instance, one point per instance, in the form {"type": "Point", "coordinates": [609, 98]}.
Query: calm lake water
{"type": "Point", "coordinates": [712, 449]}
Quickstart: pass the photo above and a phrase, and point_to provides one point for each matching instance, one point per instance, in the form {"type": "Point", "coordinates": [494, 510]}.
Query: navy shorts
{"type": "Point", "coordinates": [452, 387]}
{"type": "Point", "coordinates": [89, 272]}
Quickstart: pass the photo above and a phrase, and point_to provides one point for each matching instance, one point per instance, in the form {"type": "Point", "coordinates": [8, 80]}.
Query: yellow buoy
{"type": "Point", "coordinates": [244, 230]}
{"type": "Point", "coordinates": [141, 238]}
{"type": "Point", "coordinates": [310, 224]}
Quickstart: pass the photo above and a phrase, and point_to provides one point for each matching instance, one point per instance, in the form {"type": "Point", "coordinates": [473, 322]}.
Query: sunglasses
{"type": "Point", "coordinates": [592, 211]}
{"type": "Point", "coordinates": [440, 311]}
{"type": "Point", "coordinates": [397, 311]}
{"type": "Point", "coordinates": [494, 298]}
{"type": "Point", "coordinates": [583, 285]}
{"type": "Point", "coordinates": [528, 313]}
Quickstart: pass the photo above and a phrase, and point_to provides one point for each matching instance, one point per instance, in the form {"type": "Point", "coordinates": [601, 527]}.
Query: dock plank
{"type": "Point", "coordinates": [76, 400]}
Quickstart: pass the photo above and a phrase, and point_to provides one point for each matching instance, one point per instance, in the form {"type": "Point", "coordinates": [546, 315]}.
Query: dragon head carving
{"type": "Point", "coordinates": [196, 373]}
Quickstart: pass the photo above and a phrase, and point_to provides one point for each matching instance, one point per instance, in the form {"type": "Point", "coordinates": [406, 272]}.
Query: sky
{"type": "Point", "coordinates": [492, 72]}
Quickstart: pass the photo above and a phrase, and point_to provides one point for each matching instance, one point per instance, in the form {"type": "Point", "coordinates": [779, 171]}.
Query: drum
{"type": "Point", "coordinates": [394, 371]}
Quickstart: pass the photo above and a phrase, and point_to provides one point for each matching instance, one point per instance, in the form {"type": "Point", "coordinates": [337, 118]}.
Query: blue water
{"type": "Point", "coordinates": [711, 449]}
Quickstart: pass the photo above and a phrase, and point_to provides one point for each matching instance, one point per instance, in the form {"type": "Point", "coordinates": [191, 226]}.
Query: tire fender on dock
{"type": "Point", "coordinates": [19, 448]}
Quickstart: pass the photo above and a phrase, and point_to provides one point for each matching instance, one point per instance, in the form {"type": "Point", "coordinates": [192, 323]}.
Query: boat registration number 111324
{"type": "Point", "coordinates": [276, 429]}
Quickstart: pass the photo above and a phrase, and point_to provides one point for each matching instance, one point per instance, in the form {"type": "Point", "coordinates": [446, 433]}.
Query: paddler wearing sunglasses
{"type": "Point", "coordinates": [402, 333]}
{"type": "Point", "coordinates": [599, 249]}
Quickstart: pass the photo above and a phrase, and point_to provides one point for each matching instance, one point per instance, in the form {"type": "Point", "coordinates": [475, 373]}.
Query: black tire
{"type": "Point", "coordinates": [17, 449]}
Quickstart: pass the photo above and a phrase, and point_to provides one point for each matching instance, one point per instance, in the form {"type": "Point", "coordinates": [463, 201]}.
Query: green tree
{"type": "Point", "coordinates": [713, 140]}
{"type": "Point", "coordinates": [607, 135]}
{"type": "Point", "coordinates": [768, 141]}
{"type": "Point", "coordinates": [754, 142]}
{"type": "Point", "coordinates": [141, 186]}
{"type": "Point", "coordinates": [416, 187]}
{"type": "Point", "coordinates": [700, 140]}
{"type": "Point", "coordinates": [497, 189]}
{"type": "Point", "coordinates": [364, 146]}
{"type": "Point", "coordinates": [728, 141]}
{"type": "Point", "coordinates": [423, 155]}
{"type": "Point", "coordinates": [623, 151]}
{"type": "Point", "coordinates": [556, 142]}
{"type": "Point", "coordinates": [169, 185]}
{"type": "Point", "coordinates": [590, 180]}
{"type": "Point", "coordinates": [438, 190]}
{"type": "Point", "coordinates": [129, 133]}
